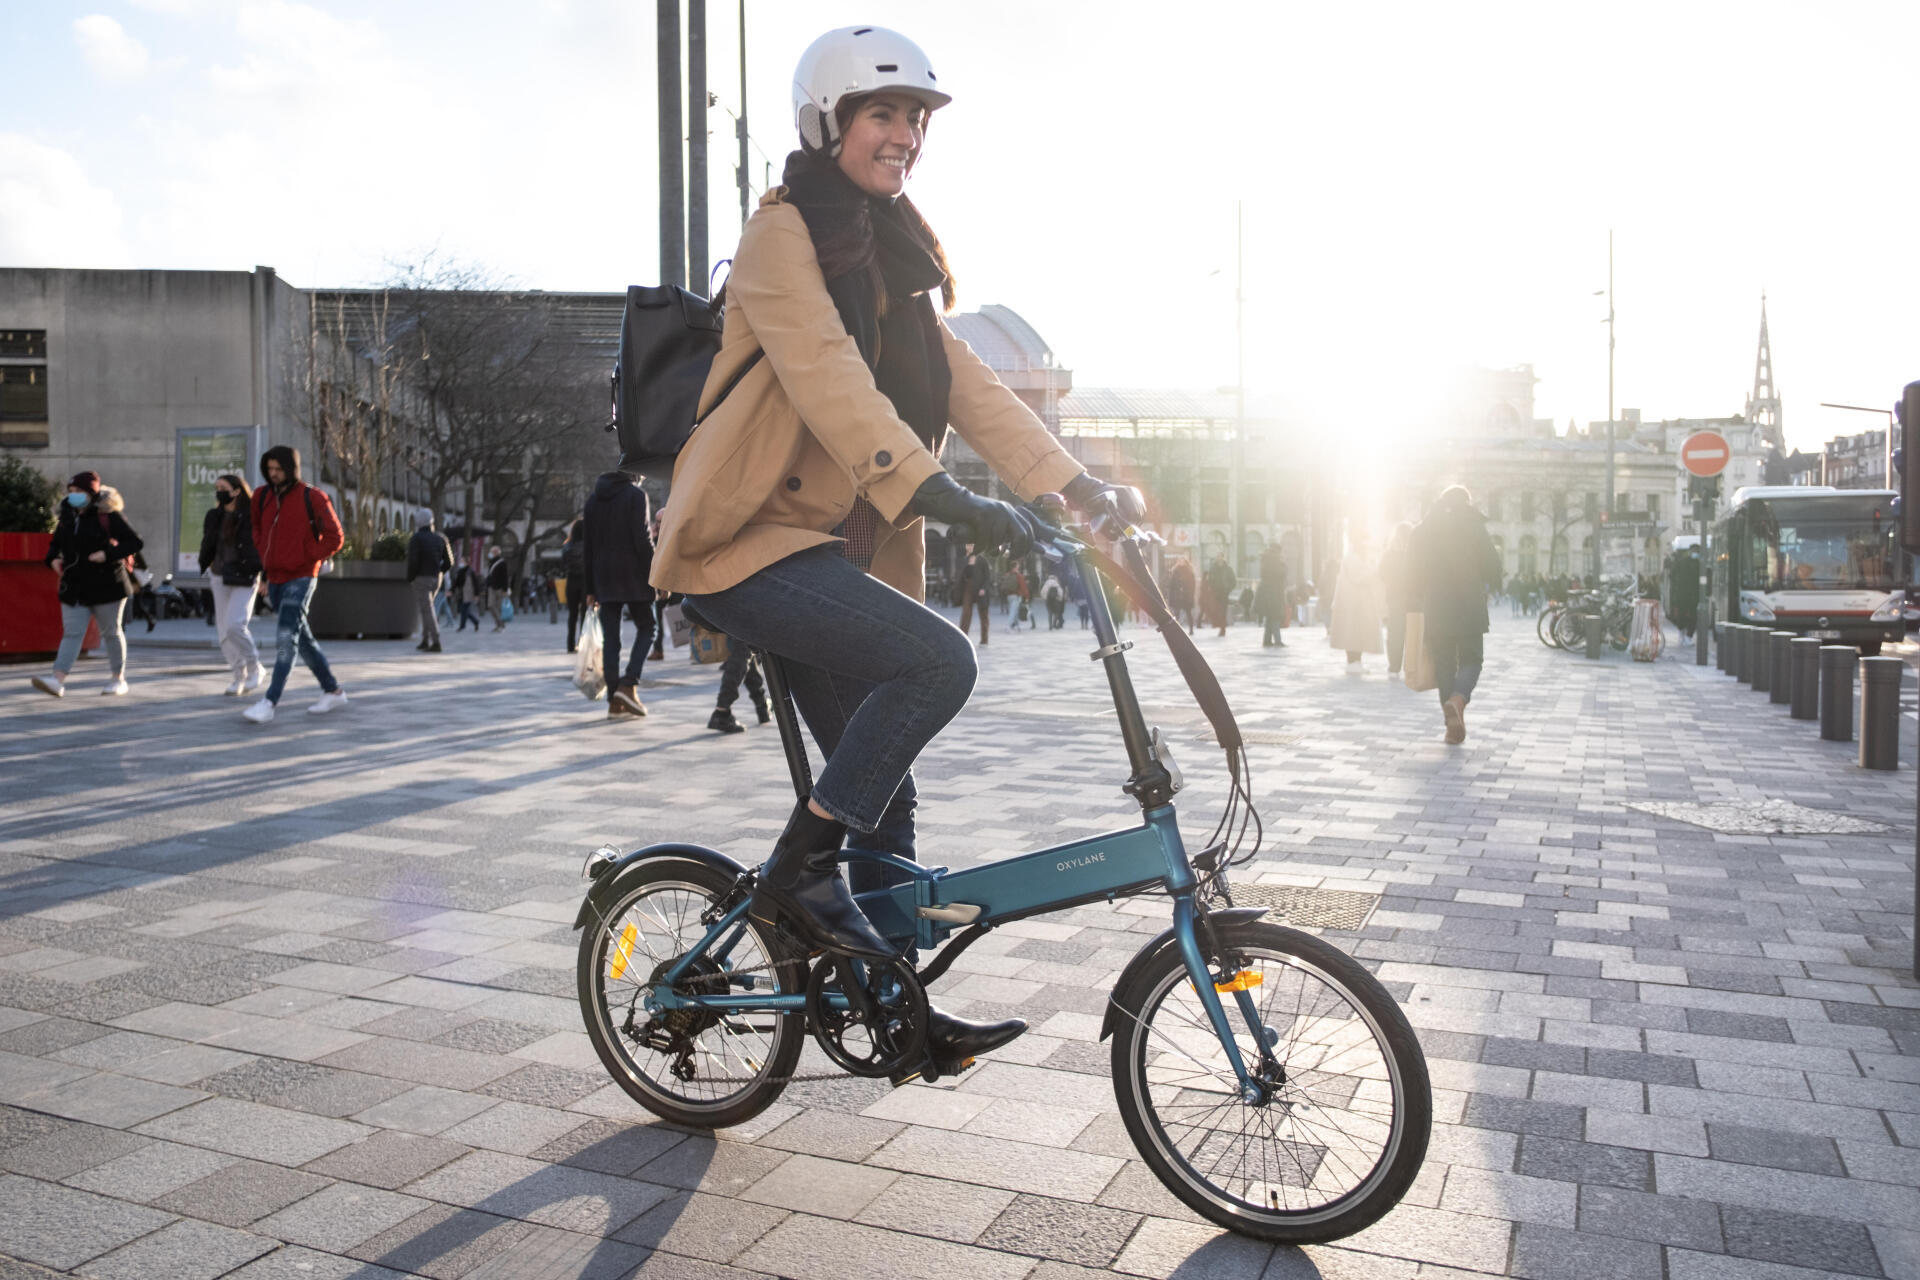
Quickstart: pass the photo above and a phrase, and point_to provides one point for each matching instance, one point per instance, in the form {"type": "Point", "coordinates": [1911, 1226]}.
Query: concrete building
{"type": "Point", "coordinates": [1857, 461]}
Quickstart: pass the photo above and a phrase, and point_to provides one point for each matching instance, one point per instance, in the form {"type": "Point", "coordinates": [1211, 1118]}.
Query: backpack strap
{"type": "Point", "coordinates": [313, 522]}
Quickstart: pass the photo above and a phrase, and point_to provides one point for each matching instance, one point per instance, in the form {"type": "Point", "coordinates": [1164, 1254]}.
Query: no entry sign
{"type": "Point", "coordinates": [1705, 453]}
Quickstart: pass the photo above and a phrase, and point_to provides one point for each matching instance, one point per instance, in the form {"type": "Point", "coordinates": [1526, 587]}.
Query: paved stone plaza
{"type": "Point", "coordinates": [298, 1001]}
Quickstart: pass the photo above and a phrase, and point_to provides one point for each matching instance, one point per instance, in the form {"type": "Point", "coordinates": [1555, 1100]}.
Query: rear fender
{"type": "Point", "coordinates": [1130, 976]}
{"type": "Point", "coordinates": [606, 886]}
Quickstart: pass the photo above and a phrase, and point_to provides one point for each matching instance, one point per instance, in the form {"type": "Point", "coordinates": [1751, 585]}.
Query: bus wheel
{"type": "Point", "coordinates": [1869, 648]}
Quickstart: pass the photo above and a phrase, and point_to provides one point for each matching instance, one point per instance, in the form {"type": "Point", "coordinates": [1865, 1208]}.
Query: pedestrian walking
{"type": "Point", "coordinates": [429, 557]}
{"type": "Point", "coordinates": [1357, 606]}
{"type": "Point", "coordinates": [1454, 567]}
{"type": "Point", "coordinates": [573, 560]}
{"type": "Point", "coordinates": [619, 558]}
{"type": "Point", "coordinates": [466, 591]}
{"type": "Point", "coordinates": [1182, 591]}
{"type": "Point", "coordinates": [1217, 592]}
{"type": "Point", "coordinates": [232, 565]}
{"type": "Point", "coordinates": [1055, 596]}
{"type": "Point", "coordinates": [92, 543]}
{"type": "Point", "coordinates": [795, 521]}
{"type": "Point", "coordinates": [740, 664]}
{"type": "Point", "coordinates": [975, 575]}
{"type": "Point", "coordinates": [296, 531]}
{"type": "Point", "coordinates": [499, 588]}
{"type": "Point", "coordinates": [1396, 592]}
{"type": "Point", "coordinates": [1270, 598]}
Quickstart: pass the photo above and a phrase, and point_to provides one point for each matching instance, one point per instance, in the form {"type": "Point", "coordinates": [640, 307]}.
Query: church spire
{"type": "Point", "coordinates": [1763, 406]}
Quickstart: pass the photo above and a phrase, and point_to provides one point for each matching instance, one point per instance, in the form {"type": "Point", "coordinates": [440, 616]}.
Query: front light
{"type": "Point", "coordinates": [1755, 607]}
{"type": "Point", "coordinates": [1892, 610]}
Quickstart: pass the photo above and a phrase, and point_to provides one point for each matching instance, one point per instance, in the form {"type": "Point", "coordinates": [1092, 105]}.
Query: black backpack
{"type": "Point", "coordinates": [668, 338]}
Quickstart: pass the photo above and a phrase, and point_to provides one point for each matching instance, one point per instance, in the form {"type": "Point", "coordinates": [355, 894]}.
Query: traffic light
{"type": "Point", "coordinates": [1906, 468]}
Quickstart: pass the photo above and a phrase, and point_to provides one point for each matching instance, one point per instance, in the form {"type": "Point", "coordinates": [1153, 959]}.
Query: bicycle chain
{"type": "Point", "coordinates": [802, 1078]}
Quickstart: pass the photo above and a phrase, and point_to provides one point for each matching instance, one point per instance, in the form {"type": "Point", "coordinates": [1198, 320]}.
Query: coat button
{"type": "Point", "coordinates": [793, 483]}
{"type": "Point", "coordinates": [883, 459]}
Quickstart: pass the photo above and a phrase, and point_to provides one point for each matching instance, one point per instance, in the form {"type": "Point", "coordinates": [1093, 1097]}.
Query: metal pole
{"type": "Point", "coordinates": [697, 146]}
{"type": "Point", "coordinates": [1703, 614]}
{"type": "Point", "coordinates": [1593, 624]}
{"type": "Point", "coordinates": [1880, 712]}
{"type": "Point", "coordinates": [1804, 655]}
{"type": "Point", "coordinates": [673, 192]}
{"type": "Point", "coordinates": [1836, 691]}
{"type": "Point", "coordinates": [1610, 346]}
{"type": "Point", "coordinates": [740, 125]}
{"type": "Point", "coordinates": [1779, 669]}
{"type": "Point", "coordinates": [1759, 663]}
{"type": "Point", "coordinates": [1721, 631]}
{"type": "Point", "coordinates": [1239, 389]}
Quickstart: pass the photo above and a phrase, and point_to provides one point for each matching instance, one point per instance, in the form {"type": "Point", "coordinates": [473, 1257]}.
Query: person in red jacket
{"type": "Point", "coordinates": [294, 530]}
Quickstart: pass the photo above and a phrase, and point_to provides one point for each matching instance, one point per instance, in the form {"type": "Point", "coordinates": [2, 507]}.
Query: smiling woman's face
{"type": "Point", "coordinates": [882, 142]}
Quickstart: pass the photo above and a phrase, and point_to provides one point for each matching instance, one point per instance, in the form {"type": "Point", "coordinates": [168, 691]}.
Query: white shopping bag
{"type": "Point", "coordinates": [677, 626]}
{"type": "Point", "coordinates": [588, 677]}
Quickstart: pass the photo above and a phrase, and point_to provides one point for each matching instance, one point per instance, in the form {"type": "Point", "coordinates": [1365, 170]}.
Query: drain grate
{"type": "Point", "coordinates": [1341, 909]}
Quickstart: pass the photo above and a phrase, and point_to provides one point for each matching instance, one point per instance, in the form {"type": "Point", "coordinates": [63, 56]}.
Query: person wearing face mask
{"type": "Point", "coordinates": [795, 521]}
{"type": "Point", "coordinates": [92, 543]}
{"type": "Point", "coordinates": [232, 565]}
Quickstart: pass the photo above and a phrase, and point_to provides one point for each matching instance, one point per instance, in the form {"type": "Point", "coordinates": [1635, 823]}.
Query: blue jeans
{"type": "Point", "coordinates": [289, 600]}
{"type": "Point", "coordinates": [642, 615]}
{"type": "Point", "coordinates": [875, 675]}
{"type": "Point", "coordinates": [1456, 664]}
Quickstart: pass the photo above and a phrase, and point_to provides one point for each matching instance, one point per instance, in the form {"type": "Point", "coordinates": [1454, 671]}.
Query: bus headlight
{"type": "Point", "coordinates": [1753, 605]}
{"type": "Point", "coordinates": [1892, 610]}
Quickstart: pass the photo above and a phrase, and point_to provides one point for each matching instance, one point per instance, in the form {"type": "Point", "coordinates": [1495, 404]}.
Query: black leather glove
{"type": "Point", "coordinates": [992, 523]}
{"type": "Point", "coordinates": [1090, 495]}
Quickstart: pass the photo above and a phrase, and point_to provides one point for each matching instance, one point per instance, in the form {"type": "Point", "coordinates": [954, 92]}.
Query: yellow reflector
{"type": "Point", "coordinates": [623, 952]}
{"type": "Point", "coordinates": [1240, 981]}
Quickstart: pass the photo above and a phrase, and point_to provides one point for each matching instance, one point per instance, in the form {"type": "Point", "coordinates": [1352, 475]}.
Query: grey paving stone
{"type": "Point", "coordinates": [254, 1131]}
{"type": "Point", "coordinates": [836, 1137]}
{"type": "Point", "coordinates": [995, 1162]}
{"type": "Point", "coordinates": [1523, 1115]}
{"type": "Point", "coordinates": [1165, 1250]}
{"type": "Point", "coordinates": [1772, 1147]}
{"type": "Point", "coordinates": [607, 1146]}
{"type": "Point", "coordinates": [303, 1086]}
{"type": "Point", "coordinates": [296, 1263]}
{"type": "Point", "coordinates": [389, 1159]}
{"type": "Point", "coordinates": [713, 1228]}
{"type": "Point", "coordinates": [1649, 1068]}
{"type": "Point", "coordinates": [702, 1164]}
{"type": "Point", "coordinates": [1549, 1253]}
{"type": "Point", "coordinates": [1585, 1162]}
{"type": "Point", "coordinates": [185, 1250]}
{"type": "Point", "coordinates": [442, 1241]}
{"type": "Point", "coordinates": [1063, 1230]}
{"type": "Point", "coordinates": [49, 1035]}
{"type": "Point", "coordinates": [1739, 1026]}
{"type": "Point", "coordinates": [1798, 1239]}
{"type": "Point", "coordinates": [423, 1109]}
{"type": "Point", "coordinates": [825, 1188]}
{"type": "Point", "coordinates": [806, 1248]}
{"type": "Point", "coordinates": [553, 1195]}
{"type": "Point", "coordinates": [57, 1153]}
{"type": "Point", "coordinates": [542, 1085]}
{"type": "Point", "coordinates": [111, 1100]}
{"type": "Point", "coordinates": [61, 1227]}
{"type": "Point", "coordinates": [954, 1211]}
{"type": "Point", "coordinates": [490, 1035]}
{"type": "Point", "coordinates": [150, 1172]}
{"type": "Point", "coordinates": [1668, 1220]}
{"type": "Point", "coordinates": [240, 1193]}
{"type": "Point", "coordinates": [1503, 1051]}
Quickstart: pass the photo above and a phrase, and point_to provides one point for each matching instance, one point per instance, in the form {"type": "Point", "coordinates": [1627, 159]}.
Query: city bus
{"type": "Point", "coordinates": [1809, 558]}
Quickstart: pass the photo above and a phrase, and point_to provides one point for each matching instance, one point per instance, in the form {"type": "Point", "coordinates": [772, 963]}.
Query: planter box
{"type": "Point", "coordinates": [364, 600]}
{"type": "Point", "coordinates": [30, 601]}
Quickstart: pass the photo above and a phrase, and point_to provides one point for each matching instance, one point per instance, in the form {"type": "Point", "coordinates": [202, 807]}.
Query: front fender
{"type": "Point", "coordinates": [1161, 942]}
{"type": "Point", "coordinates": [606, 885]}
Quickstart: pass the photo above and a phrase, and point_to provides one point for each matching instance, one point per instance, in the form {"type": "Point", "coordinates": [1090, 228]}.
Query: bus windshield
{"type": "Point", "coordinates": [1819, 544]}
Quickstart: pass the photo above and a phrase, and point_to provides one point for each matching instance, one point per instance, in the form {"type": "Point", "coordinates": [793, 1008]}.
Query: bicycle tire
{"type": "Point", "coordinates": [1544, 624]}
{"type": "Point", "coordinates": [1569, 631]}
{"type": "Point", "coordinates": [767, 1060]}
{"type": "Point", "coordinates": [1153, 1098]}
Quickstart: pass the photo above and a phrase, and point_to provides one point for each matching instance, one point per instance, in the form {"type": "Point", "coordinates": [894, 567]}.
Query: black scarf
{"type": "Point", "coordinates": [881, 274]}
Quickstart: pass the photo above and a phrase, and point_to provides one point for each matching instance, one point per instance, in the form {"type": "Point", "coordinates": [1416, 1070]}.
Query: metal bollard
{"type": "Point", "coordinates": [1803, 659]}
{"type": "Point", "coordinates": [1720, 645]}
{"type": "Point", "coordinates": [1743, 653]}
{"type": "Point", "coordinates": [1736, 636]}
{"type": "Point", "coordinates": [1780, 674]}
{"type": "Point", "coordinates": [1880, 712]}
{"type": "Point", "coordinates": [1836, 691]}
{"type": "Point", "coordinates": [1758, 663]}
{"type": "Point", "coordinates": [1592, 622]}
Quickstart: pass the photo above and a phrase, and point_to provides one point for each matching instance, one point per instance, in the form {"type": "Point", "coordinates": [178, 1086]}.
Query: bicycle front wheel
{"type": "Point", "coordinates": [695, 1068]}
{"type": "Point", "coordinates": [1343, 1127]}
{"type": "Point", "coordinates": [1544, 624]}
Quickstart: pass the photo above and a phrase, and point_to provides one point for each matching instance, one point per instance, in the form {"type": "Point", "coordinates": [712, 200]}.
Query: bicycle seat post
{"type": "Point", "coordinates": [780, 694]}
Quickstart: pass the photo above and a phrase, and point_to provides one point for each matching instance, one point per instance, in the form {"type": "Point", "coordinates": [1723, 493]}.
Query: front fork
{"type": "Point", "coordinates": [1186, 934]}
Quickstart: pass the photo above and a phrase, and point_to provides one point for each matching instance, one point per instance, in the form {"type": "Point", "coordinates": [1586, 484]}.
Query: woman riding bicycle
{"type": "Point", "coordinates": [795, 519]}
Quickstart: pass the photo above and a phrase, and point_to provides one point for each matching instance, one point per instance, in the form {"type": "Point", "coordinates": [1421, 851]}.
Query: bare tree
{"type": "Point", "coordinates": [345, 392]}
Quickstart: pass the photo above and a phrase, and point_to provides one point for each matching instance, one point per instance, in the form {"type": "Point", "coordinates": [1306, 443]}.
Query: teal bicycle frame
{"type": "Point", "coordinates": [923, 910]}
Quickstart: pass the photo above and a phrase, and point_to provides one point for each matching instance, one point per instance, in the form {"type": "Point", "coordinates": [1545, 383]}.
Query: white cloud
{"type": "Point", "coordinates": [108, 49]}
{"type": "Point", "coordinates": [50, 214]}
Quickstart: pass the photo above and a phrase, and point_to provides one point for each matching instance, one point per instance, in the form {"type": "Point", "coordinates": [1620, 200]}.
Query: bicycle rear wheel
{"type": "Point", "coordinates": [1344, 1126]}
{"type": "Point", "coordinates": [703, 1070]}
{"type": "Point", "coordinates": [1543, 627]}
{"type": "Point", "coordinates": [1569, 630]}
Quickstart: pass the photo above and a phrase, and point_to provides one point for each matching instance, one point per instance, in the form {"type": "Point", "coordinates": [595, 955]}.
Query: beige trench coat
{"type": "Point", "coordinates": [777, 466]}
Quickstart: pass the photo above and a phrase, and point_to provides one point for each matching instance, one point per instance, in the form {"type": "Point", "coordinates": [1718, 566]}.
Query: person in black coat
{"type": "Point", "coordinates": [232, 565]}
{"type": "Point", "coordinates": [92, 543]}
{"type": "Point", "coordinates": [618, 561]}
{"type": "Point", "coordinates": [429, 556]}
{"type": "Point", "coordinates": [1455, 565]}
{"type": "Point", "coordinates": [573, 562]}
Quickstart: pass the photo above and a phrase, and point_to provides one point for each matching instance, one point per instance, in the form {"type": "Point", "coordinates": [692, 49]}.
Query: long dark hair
{"type": "Point", "coordinates": [243, 493]}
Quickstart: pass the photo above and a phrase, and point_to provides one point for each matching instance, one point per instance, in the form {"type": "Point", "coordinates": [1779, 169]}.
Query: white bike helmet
{"type": "Point", "coordinates": [851, 61]}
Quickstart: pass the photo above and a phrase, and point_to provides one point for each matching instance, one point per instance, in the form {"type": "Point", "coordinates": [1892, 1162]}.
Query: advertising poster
{"type": "Point", "coordinates": [204, 454]}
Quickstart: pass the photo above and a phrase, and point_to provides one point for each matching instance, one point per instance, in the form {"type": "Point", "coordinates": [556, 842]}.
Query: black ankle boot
{"type": "Point", "coordinates": [722, 721]}
{"type": "Point", "coordinates": [802, 881]}
{"type": "Point", "coordinates": [953, 1043]}
{"type": "Point", "coordinates": [760, 709]}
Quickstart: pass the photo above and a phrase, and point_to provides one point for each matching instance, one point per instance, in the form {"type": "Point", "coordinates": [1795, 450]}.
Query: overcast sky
{"type": "Point", "coordinates": [1425, 186]}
